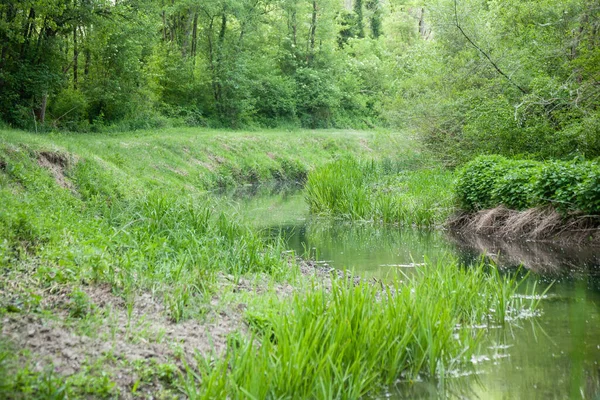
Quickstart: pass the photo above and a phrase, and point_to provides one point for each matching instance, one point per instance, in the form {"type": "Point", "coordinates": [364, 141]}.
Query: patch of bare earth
{"type": "Point", "coordinates": [56, 163]}
{"type": "Point", "coordinates": [121, 333]}
{"type": "Point", "coordinates": [117, 335]}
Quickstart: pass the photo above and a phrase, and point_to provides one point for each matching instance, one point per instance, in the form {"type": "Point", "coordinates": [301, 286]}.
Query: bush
{"type": "Point", "coordinates": [491, 181]}
{"type": "Point", "coordinates": [588, 191]}
{"type": "Point", "coordinates": [477, 180]}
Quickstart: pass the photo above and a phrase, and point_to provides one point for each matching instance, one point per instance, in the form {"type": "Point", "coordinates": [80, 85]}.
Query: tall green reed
{"type": "Point", "coordinates": [347, 340]}
{"type": "Point", "coordinates": [380, 191]}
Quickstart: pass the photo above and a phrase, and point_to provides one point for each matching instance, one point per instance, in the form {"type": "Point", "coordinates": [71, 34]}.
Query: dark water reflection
{"type": "Point", "coordinates": [554, 356]}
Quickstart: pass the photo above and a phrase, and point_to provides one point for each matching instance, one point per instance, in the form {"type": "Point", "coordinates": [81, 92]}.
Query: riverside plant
{"type": "Point", "coordinates": [380, 191]}
{"type": "Point", "coordinates": [567, 186]}
{"type": "Point", "coordinates": [350, 339]}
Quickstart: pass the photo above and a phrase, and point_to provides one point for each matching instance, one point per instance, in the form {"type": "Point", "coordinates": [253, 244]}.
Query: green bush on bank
{"type": "Point", "coordinates": [491, 181]}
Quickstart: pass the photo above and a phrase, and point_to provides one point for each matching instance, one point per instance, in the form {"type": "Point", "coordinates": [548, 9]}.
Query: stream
{"type": "Point", "coordinates": [553, 356]}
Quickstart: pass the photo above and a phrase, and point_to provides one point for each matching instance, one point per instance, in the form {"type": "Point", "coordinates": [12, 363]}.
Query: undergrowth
{"type": "Point", "coordinates": [568, 186]}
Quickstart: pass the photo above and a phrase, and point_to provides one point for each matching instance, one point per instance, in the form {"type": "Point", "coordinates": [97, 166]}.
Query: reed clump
{"type": "Point", "coordinates": [346, 340]}
{"type": "Point", "coordinates": [385, 192]}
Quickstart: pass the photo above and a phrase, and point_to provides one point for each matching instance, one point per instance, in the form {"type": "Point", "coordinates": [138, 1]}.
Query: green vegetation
{"type": "Point", "coordinates": [171, 243]}
{"type": "Point", "coordinates": [470, 77]}
{"type": "Point", "coordinates": [113, 222]}
{"type": "Point", "coordinates": [200, 159]}
{"type": "Point", "coordinates": [490, 181]}
{"type": "Point", "coordinates": [386, 191]}
{"type": "Point", "coordinates": [110, 224]}
{"type": "Point", "coordinates": [124, 273]}
{"type": "Point", "coordinates": [82, 65]}
{"type": "Point", "coordinates": [347, 340]}
{"type": "Point", "coordinates": [507, 77]}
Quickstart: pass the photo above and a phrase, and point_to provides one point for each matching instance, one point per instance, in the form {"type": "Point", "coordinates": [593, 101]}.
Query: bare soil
{"type": "Point", "coordinates": [56, 163]}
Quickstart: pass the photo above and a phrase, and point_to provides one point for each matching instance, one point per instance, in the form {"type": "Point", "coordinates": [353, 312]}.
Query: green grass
{"type": "Point", "coordinates": [195, 160]}
{"type": "Point", "coordinates": [348, 341]}
{"type": "Point", "coordinates": [171, 243]}
{"type": "Point", "coordinates": [381, 191]}
{"type": "Point", "coordinates": [127, 222]}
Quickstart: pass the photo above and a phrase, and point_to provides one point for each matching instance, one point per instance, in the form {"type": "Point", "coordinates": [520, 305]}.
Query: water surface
{"type": "Point", "coordinates": [553, 356]}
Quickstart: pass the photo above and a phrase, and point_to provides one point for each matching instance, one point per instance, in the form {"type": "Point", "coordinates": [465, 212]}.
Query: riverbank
{"type": "Point", "coordinates": [535, 224]}
{"type": "Point", "coordinates": [202, 159]}
{"type": "Point", "coordinates": [114, 250]}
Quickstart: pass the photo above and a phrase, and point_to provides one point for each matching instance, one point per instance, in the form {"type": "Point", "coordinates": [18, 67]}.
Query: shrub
{"type": "Point", "coordinates": [558, 183]}
{"type": "Point", "coordinates": [477, 180]}
{"type": "Point", "coordinates": [588, 191]}
{"type": "Point", "coordinates": [490, 181]}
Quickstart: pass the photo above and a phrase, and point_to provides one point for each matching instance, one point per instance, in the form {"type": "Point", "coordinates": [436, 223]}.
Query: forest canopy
{"type": "Point", "coordinates": [516, 77]}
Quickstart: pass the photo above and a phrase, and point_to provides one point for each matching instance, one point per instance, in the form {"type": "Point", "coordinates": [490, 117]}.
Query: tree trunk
{"type": "Point", "coordinates": [28, 31]}
{"type": "Point", "coordinates": [42, 115]}
{"type": "Point", "coordinates": [217, 76]}
{"type": "Point", "coordinates": [358, 10]}
{"type": "Point", "coordinates": [86, 68]}
{"type": "Point", "coordinates": [194, 36]}
{"type": "Point", "coordinates": [294, 29]}
{"type": "Point", "coordinates": [188, 33]}
{"type": "Point", "coordinates": [422, 29]}
{"type": "Point", "coordinates": [164, 27]}
{"type": "Point", "coordinates": [312, 33]}
{"type": "Point", "coordinates": [75, 57]}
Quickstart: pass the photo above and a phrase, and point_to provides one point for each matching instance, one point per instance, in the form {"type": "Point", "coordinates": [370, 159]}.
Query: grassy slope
{"type": "Point", "coordinates": [111, 285]}
{"type": "Point", "coordinates": [197, 159]}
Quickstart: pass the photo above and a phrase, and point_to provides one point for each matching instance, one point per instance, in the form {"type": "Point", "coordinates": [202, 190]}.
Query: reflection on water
{"type": "Point", "coordinates": [545, 258]}
{"type": "Point", "coordinates": [555, 356]}
{"type": "Point", "coordinates": [372, 251]}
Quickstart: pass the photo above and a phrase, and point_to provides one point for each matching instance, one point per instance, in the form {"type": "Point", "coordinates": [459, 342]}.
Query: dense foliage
{"type": "Point", "coordinates": [510, 77]}
{"type": "Point", "coordinates": [220, 62]}
{"type": "Point", "coordinates": [470, 76]}
{"type": "Point", "coordinates": [569, 186]}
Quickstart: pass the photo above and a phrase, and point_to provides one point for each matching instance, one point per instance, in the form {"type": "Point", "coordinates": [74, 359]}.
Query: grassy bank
{"type": "Point", "coordinates": [195, 160]}
{"type": "Point", "coordinates": [402, 191]}
{"type": "Point", "coordinates": [122, 278]}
